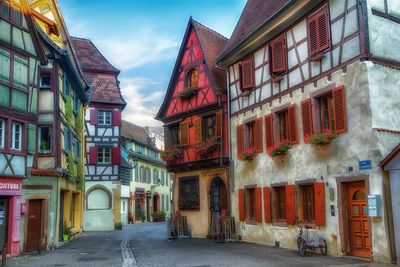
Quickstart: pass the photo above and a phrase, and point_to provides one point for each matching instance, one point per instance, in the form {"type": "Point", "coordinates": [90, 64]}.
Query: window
{"type": "Point", "coordinates": [2, 131]}
{"type": "Point", "coordinates": [209, 127]}
{"type": "Point", "coordinates": [166, 178]}
{"type": "Point", "coordinates": [45, 81]}
{"type": "Point", "coordinates": [5, 10]}
{"type": "Point", "coordinates": [278, 52]}
{"type": "Point", "coordinates": [175, 135]}
{"type": "Point", "coordinates": [192, 79]}
{"type": "Point", "coordinates": [311, 204]}
{"type": "Point", "coordinates": [148, 175]}
{"type": "Point", "coordinates": [104, 155]}
{"type": "Point", "coordinates": [162, 177]}
{"type": "Point", "coordinates": [104, 117]}
{"type": "Point", "coordinates": [11, 12]}
{"type": "Point", "coordinates": [280, 200]}
{"type": "Point", "coordinates": [249, 137]}
{"type": "Point", "coordinates": [250, 201]}
{"type": "Point", "coordinates": [16, 136]}
{"type": "Point", "coordinates": [326, 113]}
{"type": "Point", "coordinates": [307, 200]}
{"type": "Point", "coordinates": [184, 133]}
{"type": "Point", "coordinates": [17, 16]}
{"type": "Point", "coordinates": [318, 28]}
{"type": "Point", "coordinates": [142, 174]}
{"type": "Point", "coordinates": [189, 198]}
{"type": "Point", "coordinates": [44, 139]}
{"type": "Point", "coordinates": [139, 148]}
{"type": "Point", "coordinates": [250, 140]}
{"type": "Point", "coordinates": [283, 126]}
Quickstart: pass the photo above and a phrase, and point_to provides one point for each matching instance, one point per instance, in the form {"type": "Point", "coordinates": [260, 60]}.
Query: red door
{"type": "Point", "coordinates": [34, 225]}
{"type": "Point", "coordinates": [358, 218]}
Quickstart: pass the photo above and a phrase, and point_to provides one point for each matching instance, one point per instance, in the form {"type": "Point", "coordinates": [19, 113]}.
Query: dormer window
{"type": "Point", "coordinates": [193, 79]}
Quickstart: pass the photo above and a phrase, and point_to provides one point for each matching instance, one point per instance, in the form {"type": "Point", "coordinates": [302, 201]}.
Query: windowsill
{"type": "Point", "coordinates": [280, 224]}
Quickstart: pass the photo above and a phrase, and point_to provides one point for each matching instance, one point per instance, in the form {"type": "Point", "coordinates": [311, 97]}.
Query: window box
{"type": "Point", "coordinates": [172, 155]}
{"type": "Point", "coordinates": [280, 150]}
{"type": "Point", "coordinates": [250, 154]}
{"type": "Point", "coordinates": [206, 147]}
{"type": "Point", "coordinates": [189, 92]}
{"type": "Point", "coordinates": [321, 139]}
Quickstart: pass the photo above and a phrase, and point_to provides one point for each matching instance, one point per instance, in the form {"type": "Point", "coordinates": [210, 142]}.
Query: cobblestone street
{"type": "Point", "coordinates": [151, 248]}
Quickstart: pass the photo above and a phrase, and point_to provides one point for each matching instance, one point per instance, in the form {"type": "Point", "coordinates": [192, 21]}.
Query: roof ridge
{"type": "Point", "coordinates": [209, 29]}
{"type": "Point", "coordinates": [134, 124]}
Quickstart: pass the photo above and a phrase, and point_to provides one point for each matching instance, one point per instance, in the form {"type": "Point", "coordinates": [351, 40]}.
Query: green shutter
{"type": "Point", "coordinates": [33, 106]}
{"type": "Point", "coordinates": [18, 100]}
{"type": "Point", "coordinates": [17, 38]}
{"type": "Point", "coordinates": [31, 139]}
{"type": "Point", "coordinates": [20, 71]}
{"type": "Point", "coordinates": [5, 31]}
{"type": "Point", "coordinates": [4, 95]}
{"type": "Point", "coordinates": [4, 65]}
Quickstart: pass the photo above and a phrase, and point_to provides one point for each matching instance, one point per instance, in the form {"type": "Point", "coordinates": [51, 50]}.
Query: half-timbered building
{"type": "Point", "coordinates": [314, 102]}
{"type": "Point", "coordinates": [103, 129]}
{"type": "Point", "coordinates": [194, 113]}
{"type": "Point", "coordinates": [52, 196]}
{"type": "Point", "coordinates": [20, 58]}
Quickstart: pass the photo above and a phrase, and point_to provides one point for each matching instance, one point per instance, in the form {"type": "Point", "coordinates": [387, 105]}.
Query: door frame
{"type": "Point", "coordinates": [342, 205]}
{"type": "Point", "coordinates": [44, 219]}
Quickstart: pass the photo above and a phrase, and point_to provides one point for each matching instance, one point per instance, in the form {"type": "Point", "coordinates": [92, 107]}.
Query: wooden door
{"type": "Point", "coordinates": [360, 242]}
{"type": "Point", "coordinates": [34, 225]}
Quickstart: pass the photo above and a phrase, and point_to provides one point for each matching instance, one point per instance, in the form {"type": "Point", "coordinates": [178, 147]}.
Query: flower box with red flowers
{"type": "Point", "coordinates": [172, 155]}
{"type": "Point", "coordinates": [205, 147]}
{"type": "Point", "coordinates": [321, 139]}
{"type": "Point", "coordinates": [250, 153]}
{"type": "Point", "coordinates": [280, 150]}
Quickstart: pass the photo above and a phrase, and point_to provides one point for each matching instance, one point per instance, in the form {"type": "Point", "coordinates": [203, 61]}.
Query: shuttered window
{"type": "Point", "coordinates": [2, 132]}
{"type": "Point", "coordinates": [241, 204]}
{"type": "Point", "coordinates": [240, 140]}
{"type": "Point", "coordinates": [290, 204]}
{"type": "Point", "coordinates": [319, 195]}
{"type": "Point", "coordinates": [20, 71]}
{"type": "Point", "coordinates": [278, 55]}
{"type": "Point", "coordinates": [93, 117]}
{"type": "Point", "coordinates": [267, 204]}
{"type": "Point", "coordinates": [104, 155]}
{"type": "Point", "coordinates": [318, 29]}
{"type": "Point", "coordinates": [247, 67]}
{"type": "Point", "coordinates": [269, 132]}
{"type": "Point", "coordinates": [31, 138]}
{"type": "Point", "coordinates": [218, 124]}
{"type": "Point", "coordinates": [339, 109]}
{"type": "Point", "coordinates": [292, 126]}
{"type": "Point", "coordinates": [184, 133]}
{"type": "Point", "coordinates": [258, 205]}
{"type": "Point", "coordinates": [116, 155]}
{"type": "Point", "coordinates": [116, 118]}
{"type": "Point", "coordinates": [197, 131]}
{"type": "Point", "coordinates": [307, 119]}
{"type": "Point", "coordinates": [93, 155]}
{"type": "Point", "coordinates": [258, 137]}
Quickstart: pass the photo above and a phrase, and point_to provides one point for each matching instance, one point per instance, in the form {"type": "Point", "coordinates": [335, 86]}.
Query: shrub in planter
{"type": "Point", "coordinates": [280, 150]}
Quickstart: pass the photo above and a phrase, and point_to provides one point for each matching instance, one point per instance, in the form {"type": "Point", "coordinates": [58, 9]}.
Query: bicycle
{"type": "Point", "coordinates": [305, 243]}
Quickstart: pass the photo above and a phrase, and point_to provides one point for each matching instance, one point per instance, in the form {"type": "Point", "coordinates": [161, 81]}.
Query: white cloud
{"type": "Point", "coordinates": [142, 107]}
{"type": "Point", "coordinates": [139, 47]}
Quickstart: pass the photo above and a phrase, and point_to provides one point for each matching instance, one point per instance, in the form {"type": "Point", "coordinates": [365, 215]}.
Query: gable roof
{"type": "Point", "coordinates": [254, 15]}
{"type": "Point", "coordinates": [389, 156]}
{"type": "Point", "coordinates": [137, 133]}
{"type": "Point", "coordinates": [211, 44]}
{"type": "Point", "coordinates": [98, 71]}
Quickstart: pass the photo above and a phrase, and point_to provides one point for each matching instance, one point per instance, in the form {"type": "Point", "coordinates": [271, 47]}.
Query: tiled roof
{"type": "Point", "coordinates": [90, 58]}
{"type": "Point", "coordinates": [255, 14]}
{"type": "Point", "coordinates": [137, 133]}
{"type": "Point", "coordinates": [212, 44]}
{"type": "Point", "coordinates": [99, 73]}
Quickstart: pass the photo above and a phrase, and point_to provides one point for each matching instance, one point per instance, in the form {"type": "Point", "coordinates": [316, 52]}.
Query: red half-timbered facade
{"type": "Point", "coordinates": [194, 113]}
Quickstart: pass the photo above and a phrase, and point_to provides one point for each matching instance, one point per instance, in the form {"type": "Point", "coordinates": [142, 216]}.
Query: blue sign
{"type": "Point", "coordinates": [365, 164]}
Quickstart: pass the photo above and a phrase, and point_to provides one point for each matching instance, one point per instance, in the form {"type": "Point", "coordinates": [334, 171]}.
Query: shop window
{"type": "Point", "coordinates": [44, 139]}
{"type": "Point", "coordinates": [45, 81]}
{"type": "Point", "coordinates": [104, 117]}
{"type": "Point", "coordinates": [2, 131]}
{"type": "Point", "coordinates": [189, 198]}
{"type": "Point", "coordinates": [104, 155]}
{"type": "Point", "coordinates": [16, 136]}
{"type": "Point", "coordinates": [193, 78]}
{"type": "Point", "coordinates": [280, 204]}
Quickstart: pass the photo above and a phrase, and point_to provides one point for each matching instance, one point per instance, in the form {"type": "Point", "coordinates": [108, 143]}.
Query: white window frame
{"type": "Point", "coordinates": [2, 132]}
{"type": "Point", "coordinates": [104, 117]}
{"type": "Point", "coordinates": [15, 134]}
{"type": "Point", "coordinates": [101, 155]}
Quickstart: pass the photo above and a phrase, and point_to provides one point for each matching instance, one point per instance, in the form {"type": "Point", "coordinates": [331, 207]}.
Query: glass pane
{"type": "Point", "coordinates": [359, 195]}
{"type": "Point", "coordinates": [356, 210]}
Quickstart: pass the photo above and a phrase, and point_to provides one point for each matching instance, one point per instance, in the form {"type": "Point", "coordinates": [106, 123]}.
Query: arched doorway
{"type": "Point", "coordinates": [156, 203]}
{"type": "Point", "coordinates": [219, 201]}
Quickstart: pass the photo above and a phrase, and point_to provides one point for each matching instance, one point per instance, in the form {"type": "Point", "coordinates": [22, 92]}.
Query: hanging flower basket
{"type": "Point", "coordinates": [250, 154]}
{"type": "Point", "coordinates": [189, 92]}
{"type": "Point", "coordinates": [205, 147]}
{"type": "Point", "coordinates": [172, 155]}
{"type": "Point", "coordinates": [280, 150]}
{"type": "Point", "coordinates": [321, 139]}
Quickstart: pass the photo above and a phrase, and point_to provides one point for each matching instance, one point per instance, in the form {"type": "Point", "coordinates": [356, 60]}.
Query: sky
{"type": "Point", "coordinates": [142, 38]}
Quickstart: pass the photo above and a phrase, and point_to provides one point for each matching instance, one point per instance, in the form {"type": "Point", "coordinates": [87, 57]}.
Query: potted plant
{"type": "Point", "coordinates": [67, 234]}
{"type": "Point", "coordinates": [280, 150]}
{"type": "Point", "coordinates": [189, 92]}
{"type": "Point", "coordinates": [321, 139]}
{"type": "Point", "coordinates": [250, 154]}
{"type": "Point", "coordinates": [172, 155]}
{"type": "Point", "coordinates": [205, 147]}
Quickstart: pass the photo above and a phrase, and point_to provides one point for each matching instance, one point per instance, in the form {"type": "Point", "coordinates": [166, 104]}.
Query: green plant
{"type": "Point", "coordinates": [79, 124]}
{"type": "Point", "coordinates": [280, 150]}
{"type": "Point", "coordinates": [69, 113]}
{"type": "Point", "coordinates": [205, 147]}
{"type": "Point", "coordinates": [189, 92]}
{"type": "Point", "coordinates": [250, 153]}
{"type": "Point", "coordinates": [44, 145]}
{"type": "Point", "coordinates": [172, 154]}
{"type": "Point", "coordinates": [80, 174]}
{"type": "Point", "coordinates": [71, 168]}
{"type": "Point", "coordinates": [321, 139]}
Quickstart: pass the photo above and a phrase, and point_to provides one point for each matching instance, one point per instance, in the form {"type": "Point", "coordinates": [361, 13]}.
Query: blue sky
{"type": "Point", "coordinates": [142, 39]}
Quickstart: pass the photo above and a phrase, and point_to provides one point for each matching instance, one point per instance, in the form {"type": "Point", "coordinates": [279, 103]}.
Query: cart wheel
{"type": "Point", "coordinates": [303, 248]}
{"type": "Point", "coordinates": [299, 239]}
{"type": "Point", "coordinates": [323, 248]}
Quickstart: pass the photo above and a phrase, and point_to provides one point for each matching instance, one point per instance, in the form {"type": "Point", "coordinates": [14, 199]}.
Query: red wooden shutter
{"type": "Point", "coordinates": [267, 204]}
{"type": "Point", "coordinates": [339, 109]}
{"type": "Point", "coordinates": [116, 117]}
{"type": "Point", "coordinates": [258, 205]}
{"type": "Point", "coordinates": [258, 140]}
{"type": "Point", "coordinates": [312, 36]}
{"type": "Point", "coordinates": [197, 131]}
{"type": "Point", "coordinates": [318, 32]}
{"type": "Point", "coordinates": [240, 140]}
{"type": "Point", "coordinates": [241, 205]}
{"type": "Point", "coordinates": [306, 115]}
{"type": "Point", "coordinates": [93, 155]}
{"type": "Point", "coordinates": [93, 117]}
{"type": "Point", "coordinates": [184, 132]}
{"type": "Point", "coordinates": [116, 155]}
{"type": "Point", "coordinates": [269, 132]}
{"type": "Point", "coordinates": [292, 125]}
{"type": "Point", "coordinates": [290, 204]}
{"type": "Point", "coordinates": [319, 203]}
{"type": "Point", "coordinates": [278, 55]}
{"type": "Point", "coordinates": [218, 124]}
{"type": "Point", "coordinates": [247, 74]}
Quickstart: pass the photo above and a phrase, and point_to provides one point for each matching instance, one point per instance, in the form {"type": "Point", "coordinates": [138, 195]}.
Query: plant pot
{"type": "Point", "coordinates": [65, 237]}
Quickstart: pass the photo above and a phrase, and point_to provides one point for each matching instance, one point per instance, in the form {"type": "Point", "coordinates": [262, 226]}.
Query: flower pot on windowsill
{"type": "Point", "coordinates": [315, 57]}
